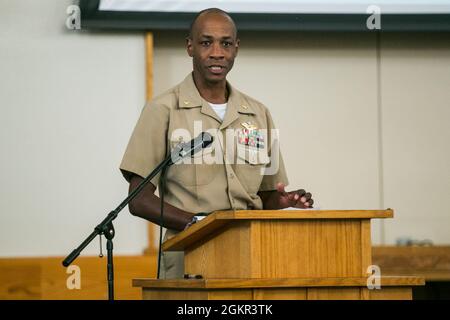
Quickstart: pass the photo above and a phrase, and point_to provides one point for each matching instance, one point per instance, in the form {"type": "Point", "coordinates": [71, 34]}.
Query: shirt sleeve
{"type": "Point", "coordinates": [148, 143]}
{"type": "Point", "coordinates": [275, 171]}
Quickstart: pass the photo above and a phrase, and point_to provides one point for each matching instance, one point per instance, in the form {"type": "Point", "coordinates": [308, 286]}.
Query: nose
{"type": "Point", "coordinates": [216, 51]}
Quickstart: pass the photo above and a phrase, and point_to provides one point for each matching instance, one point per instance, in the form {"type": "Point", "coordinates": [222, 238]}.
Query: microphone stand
{"type": "Point", "coordinates": [106, 227]}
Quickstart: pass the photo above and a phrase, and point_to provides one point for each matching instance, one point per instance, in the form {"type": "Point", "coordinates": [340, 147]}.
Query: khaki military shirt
{"type": "Point", "coordinates": [242, 160]}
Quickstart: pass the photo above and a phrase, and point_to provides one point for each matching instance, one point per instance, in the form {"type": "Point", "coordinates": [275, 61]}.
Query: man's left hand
{"type": "Point", "coordinates": [298, 198]}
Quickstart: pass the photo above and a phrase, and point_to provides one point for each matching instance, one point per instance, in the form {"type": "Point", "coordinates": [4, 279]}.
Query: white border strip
{"type": "Point", "coordinates": [280, 6]}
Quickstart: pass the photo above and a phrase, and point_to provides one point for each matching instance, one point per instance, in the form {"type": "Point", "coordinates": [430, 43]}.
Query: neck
{"type": "Point", "coordinates": [214, 92]}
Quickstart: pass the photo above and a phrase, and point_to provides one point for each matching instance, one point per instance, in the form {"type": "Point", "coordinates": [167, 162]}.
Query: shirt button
{"type": "Point", "coordinates": [231, 176]}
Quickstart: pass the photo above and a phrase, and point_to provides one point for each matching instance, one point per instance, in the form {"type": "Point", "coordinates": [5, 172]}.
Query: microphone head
{"type": "Point", "coordinates": [182, 150]}
{"type": "Point", "coordinates": [207, 139]}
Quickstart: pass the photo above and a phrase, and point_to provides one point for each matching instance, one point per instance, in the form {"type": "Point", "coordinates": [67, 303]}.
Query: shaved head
{"type": "Point", "coordinates": [207, 12]}
{"type": "Point", "coordinates": [213, 45]}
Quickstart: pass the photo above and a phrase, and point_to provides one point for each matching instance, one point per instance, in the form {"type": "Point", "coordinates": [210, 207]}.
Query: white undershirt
{"type": "Point", "coordinates": [220, 109]}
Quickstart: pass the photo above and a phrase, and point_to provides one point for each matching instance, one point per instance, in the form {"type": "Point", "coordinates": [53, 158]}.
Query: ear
{"type": "Point", "coordinates": [189, 48]}
{"type": "Point", "coordinates": [237, 46]}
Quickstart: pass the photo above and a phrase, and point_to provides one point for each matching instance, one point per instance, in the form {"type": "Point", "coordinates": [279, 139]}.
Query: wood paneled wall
{"type": "Point", "coordinates": [46, 278]}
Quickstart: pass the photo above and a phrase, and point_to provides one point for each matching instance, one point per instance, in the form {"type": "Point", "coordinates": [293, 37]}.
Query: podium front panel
{"type": "Point", "coordinates": [283, 249]}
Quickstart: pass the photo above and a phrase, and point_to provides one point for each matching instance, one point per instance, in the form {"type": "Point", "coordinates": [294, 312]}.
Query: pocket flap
{"type": "Point", "coordinates": [252, 155]}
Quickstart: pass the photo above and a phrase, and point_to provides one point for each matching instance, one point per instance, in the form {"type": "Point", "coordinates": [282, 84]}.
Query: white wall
{"type": "Point", "coordinates": [70, 100]}
{"type": "Point", "coordinates": [415, 80]}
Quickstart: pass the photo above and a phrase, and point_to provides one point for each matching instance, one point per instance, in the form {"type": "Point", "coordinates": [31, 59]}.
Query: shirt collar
{"type": "Point", "coordinates": [190, 97]}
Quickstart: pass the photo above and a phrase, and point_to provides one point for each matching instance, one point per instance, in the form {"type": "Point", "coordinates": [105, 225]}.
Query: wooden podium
{"type": "Point", "coordinates": [288, 254]}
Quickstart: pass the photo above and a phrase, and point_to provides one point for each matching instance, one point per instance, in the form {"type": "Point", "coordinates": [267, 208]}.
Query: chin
{"type": "Point", "coordinates": [214, 79]}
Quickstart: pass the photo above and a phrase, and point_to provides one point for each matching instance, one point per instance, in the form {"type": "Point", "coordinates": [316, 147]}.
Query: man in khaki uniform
{"type": "Point", "coordinates": [242, 169]}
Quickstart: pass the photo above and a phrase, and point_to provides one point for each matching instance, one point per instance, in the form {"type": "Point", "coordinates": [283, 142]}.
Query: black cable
{"type": "Point", "coordinates": [161, 217]}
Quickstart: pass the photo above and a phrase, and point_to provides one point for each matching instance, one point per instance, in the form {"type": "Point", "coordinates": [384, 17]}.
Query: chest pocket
{"type": "Point", "coordinates": [250, 166]}
{"type": "Point", "coordinates": [195, 170]}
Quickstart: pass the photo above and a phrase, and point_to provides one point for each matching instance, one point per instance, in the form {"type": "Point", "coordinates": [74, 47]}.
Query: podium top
{"type": "Point", "coordinates": [218, 219]}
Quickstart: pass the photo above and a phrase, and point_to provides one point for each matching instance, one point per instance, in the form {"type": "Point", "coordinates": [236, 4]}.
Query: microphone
{"type": "Point", "coordinates": [182, 150]}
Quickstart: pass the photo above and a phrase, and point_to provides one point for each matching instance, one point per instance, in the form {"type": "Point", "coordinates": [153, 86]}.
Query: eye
{"type": "Point", "coordinates": [205, 43]}
{"type": "Point", "coordinates": [227, 44]}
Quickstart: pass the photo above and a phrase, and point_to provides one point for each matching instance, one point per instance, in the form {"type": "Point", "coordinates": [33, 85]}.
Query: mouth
{"type": "Point", "coordinates": [216, 69]}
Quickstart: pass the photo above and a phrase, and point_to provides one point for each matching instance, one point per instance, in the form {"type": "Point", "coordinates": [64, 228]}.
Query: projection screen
{"type": "Point", "coordinates": [271, 15]}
